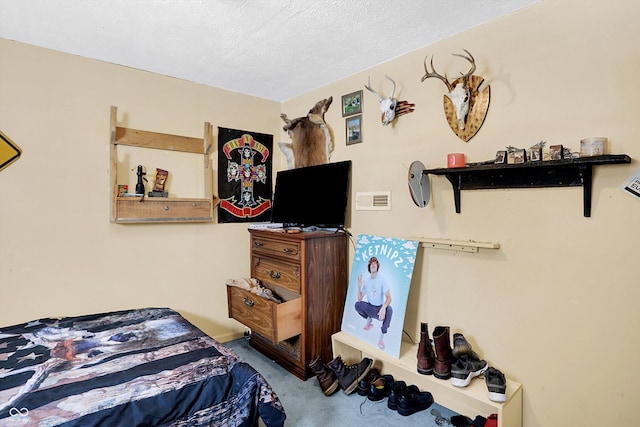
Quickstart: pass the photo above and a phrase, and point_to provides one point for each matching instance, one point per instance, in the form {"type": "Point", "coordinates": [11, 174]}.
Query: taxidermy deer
{"type": "Point", "coordinates": [311, 142]}
{"type": "Point", "coordinates": [390, 107]}
{"type": "Point", "coordinates": [463, 101]}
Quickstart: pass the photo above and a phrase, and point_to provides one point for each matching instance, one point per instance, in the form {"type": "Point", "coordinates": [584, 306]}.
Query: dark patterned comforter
{"type": "Point", "coordinates": [147, 367]}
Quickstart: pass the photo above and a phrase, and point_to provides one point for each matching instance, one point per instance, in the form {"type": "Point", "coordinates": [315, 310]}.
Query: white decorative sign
{"type": "Point", "coordinates": [632, 186]}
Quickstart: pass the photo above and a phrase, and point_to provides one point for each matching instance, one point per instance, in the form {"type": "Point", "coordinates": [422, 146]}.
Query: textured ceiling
{"type": "Point", "coordinates": [273, 49]}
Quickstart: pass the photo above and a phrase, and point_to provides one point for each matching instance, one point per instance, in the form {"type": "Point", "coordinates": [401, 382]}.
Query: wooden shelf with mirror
{"type": "Point", "coordinates": [129, 209]}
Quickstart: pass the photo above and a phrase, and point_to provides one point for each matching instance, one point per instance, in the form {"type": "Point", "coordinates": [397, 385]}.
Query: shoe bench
{"type": "Point", "coordinates": [470, 401]}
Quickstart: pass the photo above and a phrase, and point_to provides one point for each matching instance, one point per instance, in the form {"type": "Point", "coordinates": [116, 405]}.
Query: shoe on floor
{"type": "Point", "coordinates": [398, 389]}
{"type": "Point", "coordinates": [326, 378]}
{"type": "Point", "coordinates": [365, 383]}
{"type": "Point", "coordinates": [349, 375]}
{"type": "Point", "coordinates": [496, 384]}
{"type": "Point", "coordinates": [465, 369]}
{"type": "Point", "coordinates": [380, 388]}
{"type": "Point", "coordinates": [410, 403]}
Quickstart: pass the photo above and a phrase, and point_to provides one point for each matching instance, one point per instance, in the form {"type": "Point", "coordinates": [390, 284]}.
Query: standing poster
{"type": "Point", "coordinates": [378, 291]}
{"type": "Point", "coordinates": [244, 176]}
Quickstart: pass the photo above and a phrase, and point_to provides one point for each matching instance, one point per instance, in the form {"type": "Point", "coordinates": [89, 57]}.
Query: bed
{"type": "Point", "coordinates": [143, 367]}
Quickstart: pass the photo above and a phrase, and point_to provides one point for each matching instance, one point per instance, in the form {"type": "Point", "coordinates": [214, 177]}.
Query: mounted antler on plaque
{"type": "Point", "coordinates": [464, 106]}
{"type": "Point", "coordinates": [391, 108]}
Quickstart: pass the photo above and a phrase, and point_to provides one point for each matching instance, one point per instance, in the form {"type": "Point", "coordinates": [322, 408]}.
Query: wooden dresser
{"type": "Point", "coordinates": [309, 272]}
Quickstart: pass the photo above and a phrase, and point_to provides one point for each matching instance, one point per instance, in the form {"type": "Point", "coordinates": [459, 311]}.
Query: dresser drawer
{"type": "Point", "coordinates": [282, 248]}
{"type": "Point", "coordinates": [274, 321]}
{"type": "Point", "coordinates": [276, 272]}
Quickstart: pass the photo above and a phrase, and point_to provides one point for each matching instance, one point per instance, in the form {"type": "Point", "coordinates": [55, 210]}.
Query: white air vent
{"type": "Point", "coordinates": [373, 201]}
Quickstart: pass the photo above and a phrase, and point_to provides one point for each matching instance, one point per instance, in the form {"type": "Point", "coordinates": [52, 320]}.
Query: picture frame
{"type": "Point", "coordinates": [555, 152]}
{"type": "Point", "coordinates": [352, 103]}
{"type": "Point", "coordinates": [520, 156]}
{"type": "Point", "coordinates": [353, 129]}
{"type": "Point", "coordinates": [501, 157]}
{"type": "Point", "coordinates": [535, 154]}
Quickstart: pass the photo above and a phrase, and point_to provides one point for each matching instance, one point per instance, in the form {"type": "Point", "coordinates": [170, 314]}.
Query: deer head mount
{"type": "Point", "coordinates": [311, 142]}
{"type": "Point", "coordinates": [465, 107]}
{"type": "Point", "coordinates": [390, 107]}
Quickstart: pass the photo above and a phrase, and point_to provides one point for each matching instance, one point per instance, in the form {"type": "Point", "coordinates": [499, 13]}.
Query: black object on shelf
{"type": "Point", "coordinates": [550, 173]}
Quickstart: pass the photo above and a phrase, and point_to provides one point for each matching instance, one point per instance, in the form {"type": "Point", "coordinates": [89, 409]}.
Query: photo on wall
{"type": "Point", "coordinates": [378, 291]}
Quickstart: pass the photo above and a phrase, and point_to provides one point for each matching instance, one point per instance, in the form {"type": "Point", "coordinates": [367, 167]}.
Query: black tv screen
{"type": "Point", "coordinates": [312, 196]}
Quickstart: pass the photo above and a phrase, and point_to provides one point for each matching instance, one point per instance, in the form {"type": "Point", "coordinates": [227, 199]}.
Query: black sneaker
{"type": "Point", "coordinates": [349, 375]}
{"type": "Point", "coordinates": [465, 369]}
{"type": "Point", "coordinates": [462, 347]}
{"type": "Point", "coordinates": [410, 403]}
{"type": "Point", "coordinates": [496, 384]}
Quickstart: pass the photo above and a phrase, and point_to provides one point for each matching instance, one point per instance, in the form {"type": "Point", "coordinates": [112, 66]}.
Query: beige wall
{"type": "Point", "coordinates": [59, 254]}
{"type": "Point", "coordinates": [555, 307]}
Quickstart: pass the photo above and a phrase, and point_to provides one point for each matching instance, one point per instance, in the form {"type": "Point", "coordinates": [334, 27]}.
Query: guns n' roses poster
{"type": "Point", "coordinates": [378, 291]}
{"type": "Point", "coordinates": [244, 176]}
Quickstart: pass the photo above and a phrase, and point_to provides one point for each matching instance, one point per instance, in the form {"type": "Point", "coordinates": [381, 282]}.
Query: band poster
{"type": "Point", "coordinates": [378, 290]}
{"type": "Point", "coordinates": [244, 176]}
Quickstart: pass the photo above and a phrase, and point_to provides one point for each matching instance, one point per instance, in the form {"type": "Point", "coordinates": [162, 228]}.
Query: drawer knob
{"type": "Point", "coordinates": [274, 274]}
{"type": "Point", "coordinates": [258, 244]}
{"type": "Point", "coordinates": [248, 302]}
{"type": "Point", "coordinates": [288, 250]}
{"type": "Point", "coordinates": [166, 208]}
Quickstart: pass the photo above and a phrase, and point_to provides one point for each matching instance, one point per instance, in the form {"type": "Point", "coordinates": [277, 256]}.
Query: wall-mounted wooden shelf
{"type": "Point", "coordinates": [455, 245]}
{"type": "Point", "coordinates": [132, 209]}
{"type": "Point", "coordinates": [551, 173]}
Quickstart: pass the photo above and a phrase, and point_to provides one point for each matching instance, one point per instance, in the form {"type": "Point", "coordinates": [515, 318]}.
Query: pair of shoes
{"type": "Point", "coordinates": [349, 375]}
{"type": "Point", "coordinates": [496, 384]}
{"type": "Point", "coordinates": [398, 389]}
{"type": "Point", "coordinates": [465, 369]}
{"type": "Point", "coordinates": [326, 378]}
{"type": "Point", "coordinates": [411, 402]}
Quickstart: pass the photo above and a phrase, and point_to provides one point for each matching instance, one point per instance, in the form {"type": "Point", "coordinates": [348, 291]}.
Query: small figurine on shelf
{"type": "Point", "coordinates": [140, 185]}
{"type": "Point", "coordinates": [159, 183]}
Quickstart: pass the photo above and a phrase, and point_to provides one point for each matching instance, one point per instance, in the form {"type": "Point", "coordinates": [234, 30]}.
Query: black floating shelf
{"type": "Point", "coordinates": [550, 173]}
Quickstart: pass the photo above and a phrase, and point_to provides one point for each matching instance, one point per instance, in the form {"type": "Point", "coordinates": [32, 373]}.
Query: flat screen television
{"type": "Point", "coordinates": [312, 196]}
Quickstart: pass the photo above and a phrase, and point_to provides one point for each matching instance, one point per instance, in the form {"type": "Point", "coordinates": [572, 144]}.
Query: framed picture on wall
{"type": "Point", "coordinates": [352, 103]}
{"type": "Point", "coordinates": [353, 126]}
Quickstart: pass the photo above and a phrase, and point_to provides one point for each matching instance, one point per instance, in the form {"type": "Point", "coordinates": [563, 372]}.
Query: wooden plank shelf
{"type": "Point", "coordinates": [549, 173]}
{"type": "Point", "coordinates": [455, 245]}
{"type": "Point", "coordinates": [137, 209]}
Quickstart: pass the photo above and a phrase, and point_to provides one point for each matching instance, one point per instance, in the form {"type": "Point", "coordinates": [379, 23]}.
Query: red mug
{"type": "Point", "coordinates": [455, 160]}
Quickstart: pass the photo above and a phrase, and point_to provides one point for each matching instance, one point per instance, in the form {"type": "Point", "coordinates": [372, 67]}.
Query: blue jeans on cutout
{"type": "Point", "coordinates": [367, 310]}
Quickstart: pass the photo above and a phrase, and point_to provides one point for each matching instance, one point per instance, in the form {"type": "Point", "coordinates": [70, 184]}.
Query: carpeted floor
{"type": "Point", "coordinates": [307, 406]}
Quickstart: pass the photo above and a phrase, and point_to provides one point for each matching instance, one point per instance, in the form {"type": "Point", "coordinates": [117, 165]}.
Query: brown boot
{"type": "Point", "coordinates": [425, 352]}
{"type": "Point", "coordinates": [349, 375]}
{"type": "Point", "coordinates": [327, 379]}
{"type": "Point", "coordinates": [444, 356]}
